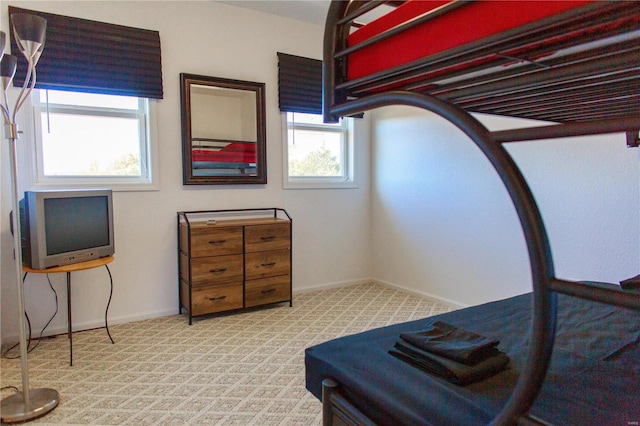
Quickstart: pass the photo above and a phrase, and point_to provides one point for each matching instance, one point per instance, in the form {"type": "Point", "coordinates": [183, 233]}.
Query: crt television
{"type": "Point", "coordinates": [61, 227]}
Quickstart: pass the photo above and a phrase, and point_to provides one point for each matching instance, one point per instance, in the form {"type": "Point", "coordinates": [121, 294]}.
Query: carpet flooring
{"type": "Point", "coordinates": [241, 369]}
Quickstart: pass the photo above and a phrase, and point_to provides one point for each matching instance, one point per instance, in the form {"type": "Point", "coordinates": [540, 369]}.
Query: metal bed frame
{"type": "Point", "coordinates": [547, 90]}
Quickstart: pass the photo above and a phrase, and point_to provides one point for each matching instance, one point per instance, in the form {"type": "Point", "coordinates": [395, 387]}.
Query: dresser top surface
{"type": "Point", "coordinates": [223, 223]}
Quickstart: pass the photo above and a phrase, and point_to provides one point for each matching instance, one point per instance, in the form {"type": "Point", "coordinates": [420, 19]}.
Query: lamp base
{"type": "Point", "coordinates": [41, 401]}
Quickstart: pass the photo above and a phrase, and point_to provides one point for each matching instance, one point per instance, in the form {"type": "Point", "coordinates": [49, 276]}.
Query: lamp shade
{"type": "Point", "coordinates": [29, 31]}
{"type": "Point", "coordinates": [8, 65]}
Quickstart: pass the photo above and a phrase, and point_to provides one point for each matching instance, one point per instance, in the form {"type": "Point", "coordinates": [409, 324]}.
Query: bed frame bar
{"type": "Point", "coordinates": [596, 294]}
{"type": "Point", "coordinates": [566, 130]}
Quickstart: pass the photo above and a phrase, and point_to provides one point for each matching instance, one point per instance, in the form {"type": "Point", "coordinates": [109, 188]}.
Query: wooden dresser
{"type": "Point", "coordinates": [233, 259]}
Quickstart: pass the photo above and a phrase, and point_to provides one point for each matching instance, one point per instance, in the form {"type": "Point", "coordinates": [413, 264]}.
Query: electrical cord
{"type": "Point", "coordinates": [5, 354]}
{"type": "Point", "coordinates": [15, 388]}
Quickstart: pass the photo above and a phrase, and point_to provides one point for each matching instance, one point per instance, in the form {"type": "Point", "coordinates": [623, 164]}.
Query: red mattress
{"type": "Point", "coordinates": [471, 22]}
{"type": "Point", "coordinates": [232, 153]}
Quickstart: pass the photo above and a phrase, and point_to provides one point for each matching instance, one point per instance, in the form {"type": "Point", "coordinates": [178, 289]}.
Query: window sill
{"type": "Point", "coordinates": [113, 185]}
{"type": "Point", "coordinates": [320, 185]}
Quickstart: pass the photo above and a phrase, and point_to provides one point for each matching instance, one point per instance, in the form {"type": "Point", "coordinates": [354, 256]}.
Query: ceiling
{"type": "Point", "coordinates": [313, 11]}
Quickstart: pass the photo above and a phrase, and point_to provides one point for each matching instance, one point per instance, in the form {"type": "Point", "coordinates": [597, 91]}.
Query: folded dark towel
{"type": "Point", "coordinates": [452, 342]}
{"type": "Point", "coordinates": [452, 371]}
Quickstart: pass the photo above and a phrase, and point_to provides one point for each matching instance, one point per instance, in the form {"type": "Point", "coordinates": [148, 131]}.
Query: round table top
{"type": "Point", "coordinates": [80, 266]}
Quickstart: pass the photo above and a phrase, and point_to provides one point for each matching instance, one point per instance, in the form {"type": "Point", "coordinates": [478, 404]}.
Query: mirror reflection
{"type": "Point", "coordinates": [223, 131]}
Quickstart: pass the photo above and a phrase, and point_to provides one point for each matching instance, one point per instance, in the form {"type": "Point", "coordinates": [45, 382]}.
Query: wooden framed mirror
{"type": "Point", "coordinates": [223, 131]}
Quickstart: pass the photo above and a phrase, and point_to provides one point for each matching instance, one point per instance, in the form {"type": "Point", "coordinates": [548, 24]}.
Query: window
{"type": "Point", "coordinates": [97, 130]}
{"type": "Point", "coordinates": [85, 139]}
{"type": "Point", "coordinates": [317, 155]}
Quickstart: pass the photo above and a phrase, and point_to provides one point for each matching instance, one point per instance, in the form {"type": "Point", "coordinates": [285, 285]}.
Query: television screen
{"type": "Point", "coordinates": [71, 223]}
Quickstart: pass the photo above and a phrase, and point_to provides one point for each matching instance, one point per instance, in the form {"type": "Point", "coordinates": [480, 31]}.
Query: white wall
{"type": "Point", "coordinates": [443, 224]}
{"type": "Point", "coordinates": [331, 242]}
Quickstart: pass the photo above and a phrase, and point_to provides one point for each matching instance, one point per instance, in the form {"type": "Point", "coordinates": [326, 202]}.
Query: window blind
{"type": "Point", "coordinates": [299, 84]}
{"type": "Point", "coordinates": [96, 57]}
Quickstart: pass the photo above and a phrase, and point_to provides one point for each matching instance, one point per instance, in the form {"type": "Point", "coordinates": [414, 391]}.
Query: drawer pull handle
{"type": "Point", "coordinates": [270, 291]}
{"type": "Point", "coordinates": [216, 242]}
{"type": "Point", "coordinates": [218, 271]}
{"type": "Point", "coordinates": [215, 299]}
{"type": "Point", "coordinates": [268, 265]}
{"type": "Point", "coordinates": [268, 238]}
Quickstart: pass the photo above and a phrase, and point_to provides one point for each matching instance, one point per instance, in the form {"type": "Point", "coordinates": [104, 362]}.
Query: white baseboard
{"type": "Point", "coordinates": [89, 325]}
{"type": "Point", "coordinates": [329, 286]}
{"type": "Point", "coordinates": [145, 316]}
{"type": "Point", "coordinates": [452, 303]}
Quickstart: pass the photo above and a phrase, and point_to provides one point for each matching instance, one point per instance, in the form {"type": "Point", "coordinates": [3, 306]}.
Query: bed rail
{"type": "Point", "coordinates": [532, 89]}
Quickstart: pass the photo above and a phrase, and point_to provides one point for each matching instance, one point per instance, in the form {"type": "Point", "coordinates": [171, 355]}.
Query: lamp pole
{"type": "Point", "coordinates": [29, 31]}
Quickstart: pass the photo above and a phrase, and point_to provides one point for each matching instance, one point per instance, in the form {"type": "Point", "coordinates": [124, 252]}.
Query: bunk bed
{"type": "Point", "coordinates": [573, 347]}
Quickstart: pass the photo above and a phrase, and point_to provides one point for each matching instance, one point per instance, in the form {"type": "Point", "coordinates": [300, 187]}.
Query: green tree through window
{"type": "Point", "coordinates": [317, 163]}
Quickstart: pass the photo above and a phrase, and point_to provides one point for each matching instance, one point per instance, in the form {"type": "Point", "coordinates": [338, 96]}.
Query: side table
{"type": "Point", "coordinates": [68, 269]}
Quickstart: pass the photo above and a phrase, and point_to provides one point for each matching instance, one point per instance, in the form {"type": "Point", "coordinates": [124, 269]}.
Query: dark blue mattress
{"type": "Point", "coordinates": [593, 379]}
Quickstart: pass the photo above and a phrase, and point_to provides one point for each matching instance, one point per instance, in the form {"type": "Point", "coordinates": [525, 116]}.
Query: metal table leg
{"type": "Point", "coordinates": [70, 331]}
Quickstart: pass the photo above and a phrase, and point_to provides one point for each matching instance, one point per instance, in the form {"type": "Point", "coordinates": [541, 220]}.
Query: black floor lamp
{"type": "Point", "coordinates": [29, 31]}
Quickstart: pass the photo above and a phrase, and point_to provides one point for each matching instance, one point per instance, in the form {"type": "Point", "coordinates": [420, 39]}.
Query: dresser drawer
{"type": "Point", "coordinates": [267, 237]}
{"type": "Point", "coordinates": [211, 241]}
{"type": "Point", "coordinates": [217, 298]}
{"type": "Point", "coordinates": [212, 270]}
{"type": "Point", "coordinates": [267, 290]}
{"type": "Point", "coordinates": [266, 264]}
